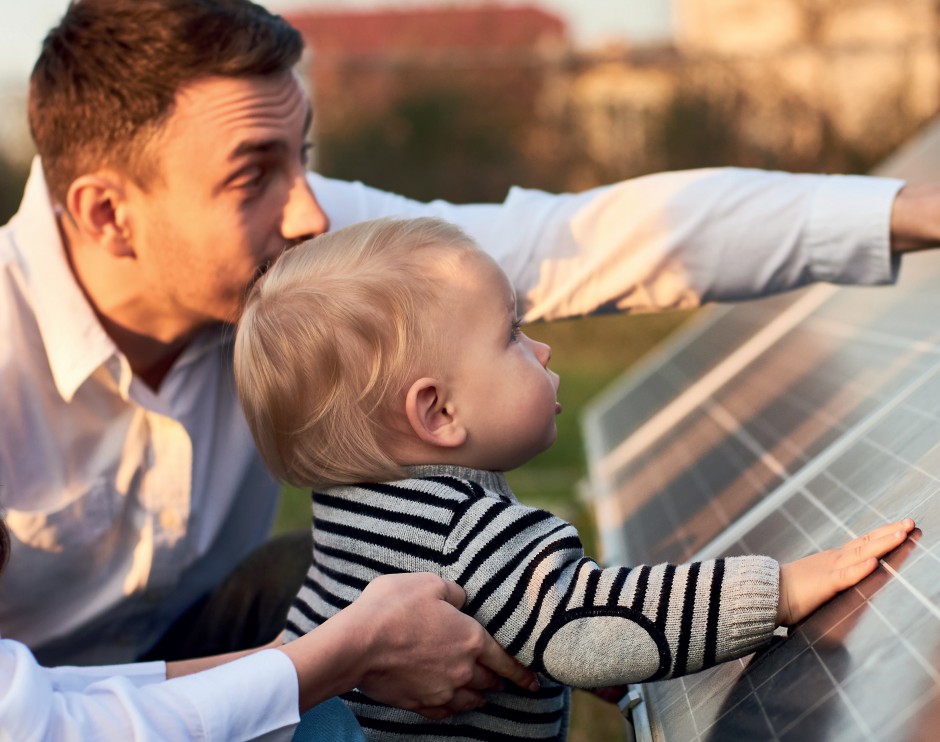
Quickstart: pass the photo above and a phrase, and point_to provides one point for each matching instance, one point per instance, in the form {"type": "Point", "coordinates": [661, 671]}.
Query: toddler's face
{"type": "Point", "coordinates": [500, 377]}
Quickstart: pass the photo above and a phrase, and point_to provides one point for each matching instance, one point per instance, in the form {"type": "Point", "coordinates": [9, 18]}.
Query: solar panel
{"type": "Point", "coordinates": [781, 427]}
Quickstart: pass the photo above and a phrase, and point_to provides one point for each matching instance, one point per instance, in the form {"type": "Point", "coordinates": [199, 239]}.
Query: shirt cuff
{"type": "Point", "coordinates": [849, 231]}
{"type": "Point", "coordinates": [254, 695]}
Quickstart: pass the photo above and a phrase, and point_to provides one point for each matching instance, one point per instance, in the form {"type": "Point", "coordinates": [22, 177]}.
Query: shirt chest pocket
{"type": "Point", "coordinates": [82, 519]}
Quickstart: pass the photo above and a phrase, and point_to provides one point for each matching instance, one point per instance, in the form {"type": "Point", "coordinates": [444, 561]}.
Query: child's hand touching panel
{"type": "Point", "coordinates": [809, 582]}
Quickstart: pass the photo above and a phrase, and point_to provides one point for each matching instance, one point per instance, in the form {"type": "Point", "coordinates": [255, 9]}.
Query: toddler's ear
{"type": "Point", "coordinates": [432, 415]}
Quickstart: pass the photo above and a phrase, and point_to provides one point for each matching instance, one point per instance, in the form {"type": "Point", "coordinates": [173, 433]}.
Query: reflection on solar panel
{"type": "Point", "coordinates": [782, 427]}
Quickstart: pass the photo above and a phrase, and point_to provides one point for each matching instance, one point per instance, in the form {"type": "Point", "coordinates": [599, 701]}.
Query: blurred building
{"type": "Point", "coordinates": [829, 85]}
{"type": "Point", "coordinates": [360, 63]}
{"type": "Point", "coordinates": [799, 84]}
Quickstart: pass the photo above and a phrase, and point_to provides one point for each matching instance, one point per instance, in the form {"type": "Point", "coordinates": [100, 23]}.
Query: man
{"type": "Point", "coordinates": [171, 137]}
{"type": "Point", "coordinates": [124, 469]}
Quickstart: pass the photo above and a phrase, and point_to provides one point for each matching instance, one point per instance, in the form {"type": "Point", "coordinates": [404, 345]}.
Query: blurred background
{"type": "Point", "coordinates": [460, 100]}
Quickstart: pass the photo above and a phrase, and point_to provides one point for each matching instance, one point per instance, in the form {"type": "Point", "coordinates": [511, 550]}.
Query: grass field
{"type": "Point", "coordinates": [588, 354]}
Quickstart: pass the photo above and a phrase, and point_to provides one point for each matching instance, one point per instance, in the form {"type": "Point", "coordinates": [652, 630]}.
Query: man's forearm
{"type": "Point", "coordinates": [179, 668]}
{"type": "Point", "coordinates": [330, 660]}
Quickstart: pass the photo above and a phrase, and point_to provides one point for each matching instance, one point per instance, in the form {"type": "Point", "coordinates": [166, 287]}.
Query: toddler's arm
{"type": "Point", "coordinates": [529, 584]}
{"type": "Point", "coordinates": [809, 582]}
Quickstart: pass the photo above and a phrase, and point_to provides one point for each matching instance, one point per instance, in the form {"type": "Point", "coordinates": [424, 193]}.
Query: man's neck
{"type": "Point", "coordinates": [119, 302]}
{"type": "Point", "coordinates": [150, 359]}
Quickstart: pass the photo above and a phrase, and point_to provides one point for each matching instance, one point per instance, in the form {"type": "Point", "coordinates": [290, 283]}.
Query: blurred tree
{"type": "Point", "coordinates": [694, 132]}
{"type": "Point", "coordinates": [436, 142]}
{"type": "Point", "coordinates": [714, 130]}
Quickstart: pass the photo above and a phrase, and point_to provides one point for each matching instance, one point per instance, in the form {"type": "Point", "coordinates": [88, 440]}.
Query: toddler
{"type": "Point", "coordinates": [384, 367]}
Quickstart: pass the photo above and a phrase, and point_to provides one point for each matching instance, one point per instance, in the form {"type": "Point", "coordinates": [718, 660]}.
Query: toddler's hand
{"type": "Point", "coordinates": [809, 582]}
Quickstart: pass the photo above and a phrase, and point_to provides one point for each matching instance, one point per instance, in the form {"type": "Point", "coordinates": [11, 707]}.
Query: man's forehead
{"type": "Point", "coordinates": [216, 104]}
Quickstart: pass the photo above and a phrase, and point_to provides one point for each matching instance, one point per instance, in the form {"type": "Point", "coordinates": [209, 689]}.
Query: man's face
{"type": "Point", "coordinates": [502, 386]}
{"type": "Point", "coordinates": [232, 193]}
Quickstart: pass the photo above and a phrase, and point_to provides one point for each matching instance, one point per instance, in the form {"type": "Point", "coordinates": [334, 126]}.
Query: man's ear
{"type": "Point", "coordinates": [432, 415]}
{"type": "Point", "coordinates": [97, 204]}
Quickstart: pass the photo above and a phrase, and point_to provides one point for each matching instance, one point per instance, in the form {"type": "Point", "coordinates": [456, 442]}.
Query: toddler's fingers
{"type": "Point", "coordinates": [854, 573]}
{"type": "Point", "coordinates": [880, 541]}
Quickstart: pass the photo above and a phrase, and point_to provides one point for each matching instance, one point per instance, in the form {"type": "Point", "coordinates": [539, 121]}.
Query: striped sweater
{"type": "Point", "coordinates": [528, 582]}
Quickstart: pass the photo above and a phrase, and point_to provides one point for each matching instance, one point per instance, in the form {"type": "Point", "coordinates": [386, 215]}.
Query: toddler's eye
{"type": "Point", "coordinates": [515, 331]}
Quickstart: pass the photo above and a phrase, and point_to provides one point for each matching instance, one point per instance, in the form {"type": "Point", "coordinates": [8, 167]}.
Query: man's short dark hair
{"type": "Point", "coordinates": [108, 74]}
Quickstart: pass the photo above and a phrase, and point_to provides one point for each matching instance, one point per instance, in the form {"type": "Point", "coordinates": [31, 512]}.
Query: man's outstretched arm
{"type": "Point", "coordinates": [673, 239]}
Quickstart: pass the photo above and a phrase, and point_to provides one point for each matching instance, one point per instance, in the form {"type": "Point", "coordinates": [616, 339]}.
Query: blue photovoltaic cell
{"type": "Point", "coordinates": [782, 427]}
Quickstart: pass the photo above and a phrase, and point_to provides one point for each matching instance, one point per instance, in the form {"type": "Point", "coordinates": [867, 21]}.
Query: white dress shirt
{"type": "Point", "coordinates": [249, 698]}
{"type": "Point", "coordinates": [125, 505]}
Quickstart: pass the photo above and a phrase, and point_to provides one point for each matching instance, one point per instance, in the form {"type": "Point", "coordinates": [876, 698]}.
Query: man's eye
{"type": "Point", "coordinates": [249, 178]}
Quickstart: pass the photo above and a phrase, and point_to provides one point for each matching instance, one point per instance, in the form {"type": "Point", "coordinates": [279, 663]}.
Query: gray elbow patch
{"type": "Point", "coordinates": [594, 651]}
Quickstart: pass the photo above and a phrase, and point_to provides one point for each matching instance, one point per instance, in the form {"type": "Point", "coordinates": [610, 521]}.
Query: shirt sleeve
{"type": "Point", "coordinates": [71, 678]}
{"type": "Point", "coordinates": [528, 582]}
{"type": "Point", "coordinates": [662, 241]}
{"type": "Point", "coordinates": [245, 699]}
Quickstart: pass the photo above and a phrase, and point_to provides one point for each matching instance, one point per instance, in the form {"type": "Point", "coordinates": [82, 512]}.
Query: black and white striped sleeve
{"type": "Point", "coordinates": [528, 581]}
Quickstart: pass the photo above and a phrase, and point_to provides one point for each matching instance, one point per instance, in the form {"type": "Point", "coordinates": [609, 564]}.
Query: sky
{"type": "Point", "coordinates": [591, 22]}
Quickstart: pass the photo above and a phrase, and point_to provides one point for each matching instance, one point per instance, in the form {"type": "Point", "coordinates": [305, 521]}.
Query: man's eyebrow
{"type": "Point", "coordinates": [257, 146]}
{"type": "Point", "coordinates": [262, 146]}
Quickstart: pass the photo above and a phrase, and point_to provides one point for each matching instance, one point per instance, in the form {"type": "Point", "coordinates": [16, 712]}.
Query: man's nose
{"type": "Point", "coordinates": [303, 216]}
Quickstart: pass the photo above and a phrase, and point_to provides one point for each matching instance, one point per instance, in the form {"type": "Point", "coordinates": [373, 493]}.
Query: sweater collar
{"type": "Point", "coordinates": [491, 480]}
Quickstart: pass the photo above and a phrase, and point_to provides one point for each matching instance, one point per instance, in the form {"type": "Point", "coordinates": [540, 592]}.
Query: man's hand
{"type": "Point", "coordinates": [404, 642]}
{"type": "Point", "coordinates": [809, 582]}
{"type": "Point", "coordinates": [426, 656]}
{"type": "Point", "coordinates": [915, 218]}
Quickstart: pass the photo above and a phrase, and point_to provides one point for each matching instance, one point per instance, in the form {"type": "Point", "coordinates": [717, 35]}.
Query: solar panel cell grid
{"type": "Point", "coordinates": [833, 430]}
{"type": "Point", "coordinates": [844, 670]}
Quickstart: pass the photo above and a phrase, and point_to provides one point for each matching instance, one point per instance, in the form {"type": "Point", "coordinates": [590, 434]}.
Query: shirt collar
{"type": "Point", "coordinates": [76, 343]}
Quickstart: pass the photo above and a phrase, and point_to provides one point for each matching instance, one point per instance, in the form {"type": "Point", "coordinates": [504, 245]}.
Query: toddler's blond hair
{"type": "Point", "coordinates": [329, 339]}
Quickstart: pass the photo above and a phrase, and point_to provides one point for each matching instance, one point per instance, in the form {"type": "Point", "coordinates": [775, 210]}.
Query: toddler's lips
{"type": "Point", "coordinates": [557, 408]}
